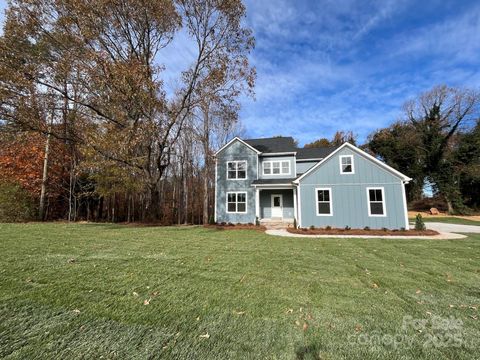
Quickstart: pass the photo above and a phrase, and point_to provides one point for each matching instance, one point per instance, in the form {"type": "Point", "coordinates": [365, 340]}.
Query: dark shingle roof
{"type": "Point", "coordinates": [272, 181]}
{"type": "Point", "coordinates": [287, 144]}
{"type": "Point", "coordinates": [315, 153]}
{"type": "Point", "coordinates": [273, 145]}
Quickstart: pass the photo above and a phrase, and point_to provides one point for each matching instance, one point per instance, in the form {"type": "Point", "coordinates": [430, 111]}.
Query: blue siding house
{"type": "Point", "coordinates": [275, 182]}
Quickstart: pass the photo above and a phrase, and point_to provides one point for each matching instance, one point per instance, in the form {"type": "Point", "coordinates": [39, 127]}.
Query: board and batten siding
{"type": "Point", "coordinates": [349, 200]}
{"type": "Point", "coordinates": [291, 159]}
{"type": "Point", "coordinates": [235, 151]}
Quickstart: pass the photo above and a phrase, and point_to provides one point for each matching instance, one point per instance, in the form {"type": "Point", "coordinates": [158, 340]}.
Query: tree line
{"type": "Point", "coordinates": [82, 84]}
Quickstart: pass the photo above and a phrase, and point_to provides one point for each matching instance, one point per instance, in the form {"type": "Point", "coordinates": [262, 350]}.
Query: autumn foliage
{"type": "Point", "coordinates": [21, 162]}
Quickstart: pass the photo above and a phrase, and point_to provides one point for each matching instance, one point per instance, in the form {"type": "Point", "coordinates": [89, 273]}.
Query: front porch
{"type": "Point", "coordinates": [276, 207]}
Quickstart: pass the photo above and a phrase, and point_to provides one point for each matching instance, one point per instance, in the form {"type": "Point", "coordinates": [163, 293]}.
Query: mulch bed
{"type": "Point", "coordinates": [236, 227]}
{"type": "Point", "coordinates": [375, 232]}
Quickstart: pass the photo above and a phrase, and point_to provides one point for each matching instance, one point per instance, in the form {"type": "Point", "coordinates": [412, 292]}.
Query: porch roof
{"type": "Point", "coordinates": [282, 181]}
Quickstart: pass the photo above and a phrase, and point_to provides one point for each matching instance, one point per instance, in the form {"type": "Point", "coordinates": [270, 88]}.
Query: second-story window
{"type": "Point", "coordinates": [236, 170]}
{"type": "Point", "coordinates": [346, 164]}
{"type": "Point", "coordinates": [276, 167]}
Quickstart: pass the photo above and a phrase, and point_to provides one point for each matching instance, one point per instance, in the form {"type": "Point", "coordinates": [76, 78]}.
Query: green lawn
{"type": "Point", "coordinates": [78, 291]}
{"type": "Point", "coordinates": [449, 220]}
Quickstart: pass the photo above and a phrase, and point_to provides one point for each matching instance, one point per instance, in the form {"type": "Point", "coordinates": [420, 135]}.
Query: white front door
{"type": "Point", "coordinates": [277, 206]}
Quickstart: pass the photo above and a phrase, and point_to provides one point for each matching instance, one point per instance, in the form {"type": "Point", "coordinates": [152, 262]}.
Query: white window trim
{"type": "Point", "coordinates": [384, 207]}
{"type": "Point", "coordinates": [281, 167]}
{"type": "Point", "coordinates": [317, 201]}
{"type": "Point", "coordinates": [246, 169]}
{"type": "Point", "coordinates": [341, 168]}
{"type": "Point", "coordinates": [246, 202]}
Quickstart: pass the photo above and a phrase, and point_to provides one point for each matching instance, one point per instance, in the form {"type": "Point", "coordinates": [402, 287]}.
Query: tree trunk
{"type": "Point", "coordinates": [206, 155]}
{"type": "Point", "coordinates": [450, 208]}
{"type": "Point", "coordinates": [43, 190]}
{"type": "Point", "coordinates": [153, 213]}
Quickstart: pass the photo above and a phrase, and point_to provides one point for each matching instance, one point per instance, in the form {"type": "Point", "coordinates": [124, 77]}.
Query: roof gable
{"type": "Point", "coordinates": [236, 138]}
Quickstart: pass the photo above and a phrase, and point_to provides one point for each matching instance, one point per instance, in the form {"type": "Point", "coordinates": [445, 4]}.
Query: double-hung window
{"type": "Point", "coordinates": [237, 202]}
{"type": "Point", "coordinates": [324, 201]}
{"type": "Point", "coordinates": [237, 170]}
{"type": "Point", "coordinates": [376, 201]}
{"type": "Point", "coordinates": [346, 164]}
{"type": "Point", "coordinates": [281, 167]}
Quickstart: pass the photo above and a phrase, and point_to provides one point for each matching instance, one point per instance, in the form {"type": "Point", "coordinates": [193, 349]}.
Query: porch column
{"type": "Point", "coordinates": [295, 204]}
{"type": "Point", "coordinates": [257, 203]}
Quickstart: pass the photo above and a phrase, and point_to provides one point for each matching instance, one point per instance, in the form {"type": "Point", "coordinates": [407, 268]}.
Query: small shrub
{"type": "Point", "coordinates": [250, 224]}
{"type": "Point", "coordinates": [348, 228]}
{"type": "Point", "coordinates": [230, 224]}
{"type": "Point", "coordinates": [419, 224]}
{"type": "Point", "coordinates": [294, 223]}
{"type": "Point", "coordinates": [257, 221]}
{"type": "Point", "coordinates": [16, 204]}
{"type": "Point", "coordinates": [223, 223]}
{"type": "Point", "coordinates": [402, 229]}
{"type": "Point", "coordinates": [366, 228]}
{"type": "Point", "coordinates": [312, 227]}
{"type": "Point", "coordinates": [304, 229]}
{"type": "Point", "coordinates": [211, 220]}
{"type": "Point", "coordinates": [384, 229]}
{"type": "Point", "coordinates": [328, 227]}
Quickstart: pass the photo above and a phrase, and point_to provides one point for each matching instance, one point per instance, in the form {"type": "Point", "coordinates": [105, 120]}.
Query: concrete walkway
{"type": "Point", "coordinates": [441, 236]}
{"type": "Point", "coordinates": [457, 228]}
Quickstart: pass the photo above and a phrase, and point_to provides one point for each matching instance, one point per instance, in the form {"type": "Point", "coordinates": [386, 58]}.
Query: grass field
{"type": "Point", "coordinates": [450, 220]}
{"type": "Point", "coordinates": [111, 291]}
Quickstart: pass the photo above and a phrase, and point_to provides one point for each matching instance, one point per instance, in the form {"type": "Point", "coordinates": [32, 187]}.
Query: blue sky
{"type": "Point", "coordinates": [347, 64]}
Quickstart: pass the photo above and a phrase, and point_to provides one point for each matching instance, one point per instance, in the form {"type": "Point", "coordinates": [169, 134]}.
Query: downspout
{"type": "Point", "coordinates": [215, 200]}
{"type": "Point", "coordinates": [407, 225]}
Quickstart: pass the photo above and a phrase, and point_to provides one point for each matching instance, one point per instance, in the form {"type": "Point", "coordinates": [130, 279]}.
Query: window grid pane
{"type": "Point", "coordinates": [236, 170]}
{"type": "Point", "coordinates": [347, 163]}
{"type": "Point", "coordinates": [323, 202]}
{"type": "Point", "coordinates": [237, 202]}
{"type": "Point", "coordinates": [376, 201]}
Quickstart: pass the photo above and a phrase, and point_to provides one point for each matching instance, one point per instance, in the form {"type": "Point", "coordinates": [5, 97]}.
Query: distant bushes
{"type": "Point", "coordinates": [16, 204]}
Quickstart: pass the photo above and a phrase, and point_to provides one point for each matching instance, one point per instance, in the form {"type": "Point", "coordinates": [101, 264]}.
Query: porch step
{"type": "Point", "coordinates": [274, 224]}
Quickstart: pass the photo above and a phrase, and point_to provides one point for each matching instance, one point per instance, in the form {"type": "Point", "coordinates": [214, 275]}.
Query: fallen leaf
{"type": "Point", "coordinates": [375, 286]}
{"type": "Point", "coordinates": [289, 311]}
{"type": "Point", "coordinates": [135, 293]}
{"type": "Point", "coordinates": [358, 328]}
{"type": "Point", "coordinates": [418, 291]}
{"type": "Point", "coordinates": [305, 326]}
{"type": "Point", "coordinates": [451, 306]}
{"type": "Point", "coordinates": [429, 313]}
{"type": "Point", "coordinates": [243, 278]}
{"type": "Point", "coordinates": [146, 302]}
{"type": "Point", "coordinates": [198, 318]}
{"type": "Point", "coordinates": [474, 317]}
{"type": "Point", "coordinates": [71, 260]}
{"type": "Point", "coordinates": [238, 312]}
{"type": "Point", "coordinates": [205, 336]}
{"type": "Point", "coordinates": [76, 311]}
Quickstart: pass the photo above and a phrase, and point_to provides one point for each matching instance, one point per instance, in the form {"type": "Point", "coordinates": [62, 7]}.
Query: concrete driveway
{"type": "Point", "coordinates": [452, 228]}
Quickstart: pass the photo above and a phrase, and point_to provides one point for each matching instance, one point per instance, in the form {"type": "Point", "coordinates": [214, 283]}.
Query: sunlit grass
{"type": "Point", "coordinates": [87, 291]}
